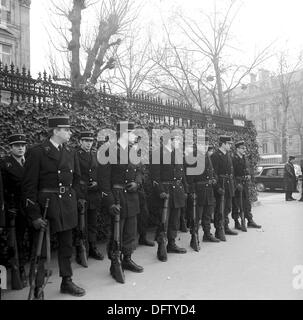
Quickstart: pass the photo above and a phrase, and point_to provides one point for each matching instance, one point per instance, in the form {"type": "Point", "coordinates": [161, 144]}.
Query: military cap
{"type": "Point", "coordinates": [88, 135]}
{"type": "Point", "coordinates": [59, 122]}
{"type": "Point", "coordinates": [225, 139]}
{"type": "Point", "coordinates": [17, 138]}
{"type": "Point", "coordinates": [292, 158]}
{"type": "Point", "coordinates": [239, 144]}
{"type": "Point", "coordinates": [210, 147]}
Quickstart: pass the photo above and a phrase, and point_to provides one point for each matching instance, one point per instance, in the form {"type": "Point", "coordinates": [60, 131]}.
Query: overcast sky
{"type": "Point", "coordinates": [258, 23]}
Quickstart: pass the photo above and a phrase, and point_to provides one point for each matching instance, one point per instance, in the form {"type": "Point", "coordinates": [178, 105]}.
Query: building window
{"type": "Point", "coordinates": [5, 12]}
{"type": "Point", "coordinates": [264, 147]}
{"type": "Point", "coordinates": [264, 124]}
{"type": "Point", "coordinates": [274, 123]}
{"type": "Point", "coordinates": [276, 147]}
{"type": "Point", "coordinates": [290, 140]}
{"type": "Point", "coordinates": [5, 54]}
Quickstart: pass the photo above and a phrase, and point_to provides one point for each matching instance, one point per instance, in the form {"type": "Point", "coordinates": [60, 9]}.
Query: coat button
{"type": "Point", "coordinates": [59, 171]}
{"type": "Point", "coordinates": [70, 195]}
{"type": "Point", "coordinates": [60, 196]}
{"type": "Point", "coordinates": [126, 170]}
{"type": "Point", "coordinates": [207, 185]}
{"type": "Point", "coordinates": [60, 184]}
{"type": "Point", "coordinates": [174, 187]}
{"type": "Point", "coordinates": [71, 170]}
{"type": "Point", "coordinates": [90, 170]}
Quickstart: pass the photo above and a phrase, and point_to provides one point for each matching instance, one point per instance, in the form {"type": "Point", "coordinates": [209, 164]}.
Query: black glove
{"type": "Point", "coordinates": [221, 191]}
{"type": "Point", "coordinates": [163, 195]}
{"type": "Point", "coordinates": [132, 187]}
{"type": "Point", "coordinates": [114, 209]}
{"type": "Point", "coordinates": [239, 187]}
{"type": "Point", "coordinates": [39, 223]}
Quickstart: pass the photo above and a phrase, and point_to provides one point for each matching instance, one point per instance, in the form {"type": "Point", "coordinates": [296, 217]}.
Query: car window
{"type": "Point", "coordinates": [271, 172]}
{"type": "Point", "coordinates": [280, 172]}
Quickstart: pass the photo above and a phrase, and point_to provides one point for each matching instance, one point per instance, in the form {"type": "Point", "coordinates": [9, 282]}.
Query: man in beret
{"type": "Point", "coordinates": [119, 186]}
{"type": "Point", "coordinates": [242, 178]}
{"type": "Point", "coordinates": [223, 167]}
{"type": "Point", "coordinates": [52, 172]}
{"type": "Point", "coordinates": [12, 168]}
{"type": "Point", "coordinates": [289, 179]}
{"type": "Point", "coordinates": [89, 185]}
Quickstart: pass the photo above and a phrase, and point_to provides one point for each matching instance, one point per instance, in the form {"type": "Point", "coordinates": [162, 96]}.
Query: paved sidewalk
{"type": "Point", "coordinates": [254, 265]}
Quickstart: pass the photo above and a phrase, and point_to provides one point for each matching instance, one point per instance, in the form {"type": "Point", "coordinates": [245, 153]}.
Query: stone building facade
{"type": "Point", "coordinates": [15, 32]}
{"type": "Point", "coordinates": [259, 101]}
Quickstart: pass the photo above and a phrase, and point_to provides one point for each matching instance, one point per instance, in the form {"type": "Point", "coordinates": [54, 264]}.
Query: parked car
{"type": "Point", "coordinates": [272, 177]}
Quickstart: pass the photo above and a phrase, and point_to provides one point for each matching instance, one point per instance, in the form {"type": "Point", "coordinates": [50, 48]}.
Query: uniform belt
{"type": "Point", "coordinates": [60, 190]}
{"type": "Point", "coordinates": [205, 182]}
{"type": "Point", "coordinates": [118, 186]}
{"type": "Point", "coordinates": [228, 176]}
{"type": "Point", "coordinates": [172, 181]}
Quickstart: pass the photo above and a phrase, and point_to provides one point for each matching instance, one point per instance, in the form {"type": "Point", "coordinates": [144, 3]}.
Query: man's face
{"type": "Point", "coordinates": [241, 150]}
{"type": "Point", "coordinates": [63, 134]}
{"type": "Point", "coordinates": [210, 152]}
{"type": "Point", "coordinates": [131, 137]}
{"type": "Point", "coordinates": [18, 149]}
{"type": "Point", "coordinates": [227, 146]}
{"type": "Point", "coordinates": [86, 144]}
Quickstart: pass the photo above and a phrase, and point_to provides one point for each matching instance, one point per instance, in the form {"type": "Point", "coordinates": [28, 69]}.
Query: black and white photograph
{"type": "Point", "coordinates": [151, 153]}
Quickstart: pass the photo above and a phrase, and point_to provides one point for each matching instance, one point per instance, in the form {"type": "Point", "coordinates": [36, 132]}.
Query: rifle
{"type": "Point", "coordinates": [12, 244]}
{"type": "Point", "coordinates": [82, 237]}
{"type": "Point", "coordinates": [35, 265]}
{"type": "Point", "coordinates": [243, 226]}
{"type": "Point", "coordinates": [222, 202]}
{"type": "Point", "coordinates": [194, 243]}
{"type": "Point", "coordinates": [116, 253]}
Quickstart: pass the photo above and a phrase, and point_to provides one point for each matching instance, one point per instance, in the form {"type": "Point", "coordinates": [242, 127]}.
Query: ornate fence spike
{"type": "Point", "coordinates": [23, 71]}
{"type": "Point", "coordinates": [12, 68]}
{"type": "Point", "coordinates": [44, 75]}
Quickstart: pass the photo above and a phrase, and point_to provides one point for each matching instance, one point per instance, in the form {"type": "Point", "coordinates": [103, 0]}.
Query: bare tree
{"type": "Point", "coordinates": [296, 112]}
{"type": "Point", "coordinates": [211, 42]}
{"type": "Point", "coordinates": [133, 62]}
{"type": "Point", "coordinates": [89, 55]}
{"type": "Point", "coordinates": [285, 95]}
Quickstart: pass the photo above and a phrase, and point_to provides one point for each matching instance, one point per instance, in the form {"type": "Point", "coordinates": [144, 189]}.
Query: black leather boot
{"type": "Point", "coordinates": [145, 242]}
{"type": "Point", "coordinates": [219, 234]}
{"type": "Point", "coordinates": [68, 287]}
{"type": "Point", "coordinates": [94, 252]}
{"type": "Point", "coordinates": [173, 248]}
{"type": "Point", "coordinates": [237, 224]}
{"type": "Point", "coordinates": [129, 264]}
{"type": "Point", "coordinates": [252, 224]}
{"type": "Point", "coordinates": [38, 293]}
{"type": "Point", "coordinates": [229, 232]}
{"type": "Point", "coordinates": [208, 237]}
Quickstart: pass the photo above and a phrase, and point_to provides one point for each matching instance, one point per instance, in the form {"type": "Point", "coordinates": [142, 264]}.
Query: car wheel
{"type": "Point", "coordinates": [260, 187]}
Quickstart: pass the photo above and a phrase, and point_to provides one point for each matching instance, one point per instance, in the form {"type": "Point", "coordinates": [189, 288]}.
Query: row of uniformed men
{"type": "Point", "coordinates": [55, 171]}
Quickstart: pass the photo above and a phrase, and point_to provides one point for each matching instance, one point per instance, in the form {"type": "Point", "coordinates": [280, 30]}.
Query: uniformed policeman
{"type": "Point", "coordinates": [204, 187]}
{"type": "Point", "coordinates": [223, 167]}
{"type": "Point", "coordinates": [242, 178]}
{"type": "Point", "coordinates": [169, 180]}
{"type": "Point", "coordinates": [89, 186]}
{"type": "Point", "coordinates": [12, 168]}
{"type": "Point", "coordinates": [52, 172]}
{"type": "Point", "coordinates": [119, 186]}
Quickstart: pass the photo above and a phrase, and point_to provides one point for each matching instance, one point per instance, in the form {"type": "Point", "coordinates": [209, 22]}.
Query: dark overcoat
{"type": "Point", "coordinates": [170, 178]}
{"type": "Point", "coordinates": [289, 177]}
{"type": "Point", "coordinates": [223, 165]}
{"type": "Point", "coordinates": [47, 168]}
{"type": "Point", "coordinates": [89, 173]}
{"type": "Point", "coordinates": [120, 174]}
{"type": "Point", "coordinates": [2, 216]}
{"type": "Point", "coordinates": [204, 185]}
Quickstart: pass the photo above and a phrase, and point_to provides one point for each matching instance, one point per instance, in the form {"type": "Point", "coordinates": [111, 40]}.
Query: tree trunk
{"type": "Point", "coordinates": [219, 84]}
{"type": "Point", "coordinates": [74, 46]}
{"type": "Point", "coordinates": [284, 135]}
